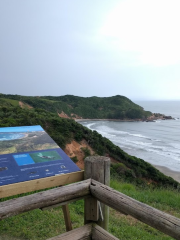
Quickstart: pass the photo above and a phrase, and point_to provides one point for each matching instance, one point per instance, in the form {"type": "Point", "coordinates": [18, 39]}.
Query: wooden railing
{"type": "Point", "coordinates": [44, 199]}
{"type": "Point", "coordinates": [93, 192]}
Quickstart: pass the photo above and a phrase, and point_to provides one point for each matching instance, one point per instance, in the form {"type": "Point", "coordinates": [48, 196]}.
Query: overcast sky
{"type": "Point", "coordinates": [90, 48]}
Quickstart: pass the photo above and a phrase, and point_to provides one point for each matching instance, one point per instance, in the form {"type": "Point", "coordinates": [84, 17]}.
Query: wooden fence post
{"type": "Point", "coordinates": [67, 217]}
{"type": "Point", "coordinates": [97, 168]}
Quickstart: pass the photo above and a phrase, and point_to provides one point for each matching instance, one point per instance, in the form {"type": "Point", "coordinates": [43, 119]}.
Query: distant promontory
{"type": "Point", "coordinates": [69, 106]}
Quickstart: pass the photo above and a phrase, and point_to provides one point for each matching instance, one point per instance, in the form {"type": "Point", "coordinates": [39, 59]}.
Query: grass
{"type": "Point", "coordinates": [15, 103]}
{"type": "Point", "coordinates": [40, 225]}
{"type": "Point", "coordinates": [166, 200]}
{"type": "Point", "coordinates": [126, 227]}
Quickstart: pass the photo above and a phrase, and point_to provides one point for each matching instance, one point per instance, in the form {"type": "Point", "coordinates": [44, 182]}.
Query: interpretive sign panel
{"type": "Point", "coordinates": [28, 153]}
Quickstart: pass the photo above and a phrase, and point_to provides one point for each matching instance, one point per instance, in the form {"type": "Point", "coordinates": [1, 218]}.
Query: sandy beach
{"type": "Point", "coordinates": [169, 172]}
{"type": "Point", "coordinates": [113, 120]}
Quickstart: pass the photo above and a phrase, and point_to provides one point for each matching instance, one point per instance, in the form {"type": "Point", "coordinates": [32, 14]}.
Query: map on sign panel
{"type": "Point", "coordinates": [28, 153]}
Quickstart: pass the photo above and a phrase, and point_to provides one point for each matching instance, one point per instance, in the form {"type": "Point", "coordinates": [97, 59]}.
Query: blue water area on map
{"type": "Point", "coordinates": [23, 159]}
{"type": "Point", "coordinates": [21, 129]}
{"type": "Point", "coordinates": [5, 136]}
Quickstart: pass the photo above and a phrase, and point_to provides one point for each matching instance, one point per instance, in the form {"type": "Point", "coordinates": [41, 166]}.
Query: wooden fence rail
{"type": "Point", "coordinates": [43, 199]}
{"type": "Point", "coordinates": [164, 222]}
{"type": "Point", "coordinates": [87, 232]}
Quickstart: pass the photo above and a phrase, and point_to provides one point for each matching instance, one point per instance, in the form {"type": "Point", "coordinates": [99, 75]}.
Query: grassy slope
{"type": "Point", "coordinates": [8, 102]}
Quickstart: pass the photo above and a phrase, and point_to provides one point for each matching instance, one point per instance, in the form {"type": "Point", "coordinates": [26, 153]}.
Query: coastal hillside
{"type": "Point", "coordinates": [79, 142]}
{"type": "Point", "coordinates": [69, 106]}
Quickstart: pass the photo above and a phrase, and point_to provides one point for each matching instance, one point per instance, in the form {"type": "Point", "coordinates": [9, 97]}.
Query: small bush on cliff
{"type": "Point", "coordinates": [75, 160]}
{"type": "Point", "coordinates": [86, 151]}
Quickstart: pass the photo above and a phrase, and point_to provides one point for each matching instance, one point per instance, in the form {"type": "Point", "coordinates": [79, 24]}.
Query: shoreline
{"type": "Point", "coordinates": [168, 172]}
{"type": "Point", "coordinates": [165, 170]}
{"type": "Point", "coordinates": [118, 120]}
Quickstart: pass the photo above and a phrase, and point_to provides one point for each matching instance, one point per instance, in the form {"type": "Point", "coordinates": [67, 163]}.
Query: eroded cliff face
{"type": "Point", "coordinates": [63, 115]}
{"type": "Point", "coordinates": [73, 116]}
{"type": "Point", "coordinates": [75, 149]}
{"type": "Point", "coordinates": [24, 105]}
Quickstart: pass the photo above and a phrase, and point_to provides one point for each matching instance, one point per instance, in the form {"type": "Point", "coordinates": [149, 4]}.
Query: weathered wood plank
{"type": "Point", "coordinates": [67, 217]}
{"type": "Point", "coordinates": [43, 199]}
{"type": "Point", "coordinates": [98, 168]}
{"type": "Point", "coordinates": [98, 233]}
{"type": "Point", "coordinates": [91, 209]}
{"type": "Point", "coordinates": [38, 184]}
{"type": "Point", "coordinates": [82, 233]}
{"type": "Point", "coordinates": [164, 222]}
{"type": "Point", "coordinates": [64, 203]}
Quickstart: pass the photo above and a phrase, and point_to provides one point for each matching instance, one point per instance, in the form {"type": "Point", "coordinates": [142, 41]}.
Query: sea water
{"type": "Point", "coordinates": [156, 142]}
{"type": "Point", "coordinates": [4, 136]}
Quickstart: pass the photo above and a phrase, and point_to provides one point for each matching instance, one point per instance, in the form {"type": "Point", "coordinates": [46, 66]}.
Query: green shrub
{"type": "Point", "coordinates": [74, 159]}
{"type": "Point", "coordinates": [86, 151]}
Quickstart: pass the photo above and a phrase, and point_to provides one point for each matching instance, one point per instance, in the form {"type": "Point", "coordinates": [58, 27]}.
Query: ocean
{"type": "Point", "coordinates": [5, 136]}
{"type": "Point", "coordinates": [156, 142]}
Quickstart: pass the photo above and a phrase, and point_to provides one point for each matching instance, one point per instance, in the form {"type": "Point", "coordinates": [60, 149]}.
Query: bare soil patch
{"type": "Point", "coordinates": [75, 149]}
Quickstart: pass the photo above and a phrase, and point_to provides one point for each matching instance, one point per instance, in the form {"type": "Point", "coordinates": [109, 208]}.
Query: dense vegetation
{"type": "Point", "coordinates": [63, 131]}
{"type": "Point", "coordinates": [116, 107]}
